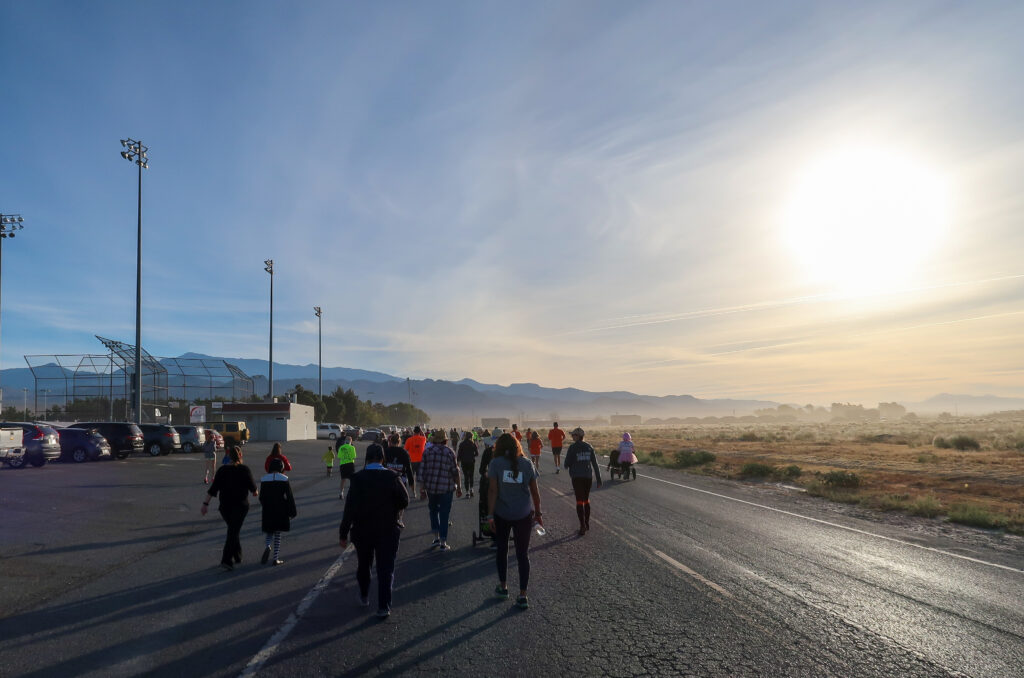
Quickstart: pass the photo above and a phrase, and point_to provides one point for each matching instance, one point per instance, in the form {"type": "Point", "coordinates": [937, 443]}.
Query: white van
{"type": "Point", "coordinates": [328, 431]}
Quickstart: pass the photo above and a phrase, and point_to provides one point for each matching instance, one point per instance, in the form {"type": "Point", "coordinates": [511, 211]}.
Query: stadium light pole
{"type": "Point", "coordinates": [9, 225]}
{"type": "Point", "coordinates": [135, 152]}
{"type": "Point", "coordinates": [269, 268]}
{"type": "Point", "coordinates": [320, 349]}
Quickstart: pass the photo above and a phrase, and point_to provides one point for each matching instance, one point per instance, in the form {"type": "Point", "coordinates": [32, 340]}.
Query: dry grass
{"type": "Point", "coordinates": [897, 465]}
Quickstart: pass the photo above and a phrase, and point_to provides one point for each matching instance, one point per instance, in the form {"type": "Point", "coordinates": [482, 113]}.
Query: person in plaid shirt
{"type": "Point", "coordinates": [437, 477]}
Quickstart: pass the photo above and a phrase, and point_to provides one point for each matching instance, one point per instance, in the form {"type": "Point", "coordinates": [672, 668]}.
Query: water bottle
{"type": "Point", "coordinates": [539, 529]}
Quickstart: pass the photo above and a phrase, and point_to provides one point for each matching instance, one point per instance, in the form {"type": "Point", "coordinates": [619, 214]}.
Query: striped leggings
{"type": "Point", "coordinates": [275, 538]}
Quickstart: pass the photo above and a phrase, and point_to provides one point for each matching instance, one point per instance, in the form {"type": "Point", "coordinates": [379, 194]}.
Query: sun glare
{"type": "Point", "coordinates": [862, 220]}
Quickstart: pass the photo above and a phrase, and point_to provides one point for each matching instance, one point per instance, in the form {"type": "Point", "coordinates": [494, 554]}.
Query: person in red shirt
{"type": "Point", "coordinates": [556, 436]}
{"type": "Point", "coordinates": [414, 446]}
{"type": "Point", "coordinates": [536, 446]}
{"type": "Point", "coordinates": [276, 453]}
{"type": "Point", "coordinates": [516, 433]}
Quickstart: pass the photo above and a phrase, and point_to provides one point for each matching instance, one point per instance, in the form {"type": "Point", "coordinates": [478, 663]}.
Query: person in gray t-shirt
{"type": "Point", "coordinates": [512, 486]}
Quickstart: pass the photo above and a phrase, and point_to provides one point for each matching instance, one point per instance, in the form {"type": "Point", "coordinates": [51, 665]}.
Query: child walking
{"type": "Point", "coordinates": [328, 460]}
{"type": "Point", "coordinates": [627, 456]}
{"type": "Point", "coordinates": [536, 446]}
{"type": "Point", "coordinates": [278, 509]}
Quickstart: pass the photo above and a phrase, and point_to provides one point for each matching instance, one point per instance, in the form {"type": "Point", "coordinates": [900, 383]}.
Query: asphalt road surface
{"type": "Point", "coordinates": [107, 569]}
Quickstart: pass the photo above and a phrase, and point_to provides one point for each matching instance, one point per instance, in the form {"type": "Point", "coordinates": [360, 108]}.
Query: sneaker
{"type": "Point", "coordinates": [363, 601]}
{"type": "Point", "coordinates": [227, 567]}
{"type": "Point", "coordinates": [582, 532]}
{"type": "Point", "coordinates": [444, 547]}
{"type": "Point", "coordinates": [277, 561]}
{"type": "Point", "coordinates": [501, 592]}
{"type": "Point", "coordinates": [558, 470]}
{"type": "Point", "coordinates": [383, 613]}
{"type": "Point", "coordinates": [522, 603]}
{"type": "Point", "coordinates": [266, 556]}
{"type": "Point", "coordinates": [436, 542]}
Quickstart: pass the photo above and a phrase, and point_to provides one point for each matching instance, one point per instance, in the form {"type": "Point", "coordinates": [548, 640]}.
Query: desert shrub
{"type": "Point", "coordinates": [1019, 445]}
{"type": "Point", "coordinates": [688, 458]}
{"type": "Point", "coordinates": [817, 488]}
{"type": "Point", "coordinates": [975, 516]}
{"type": "Point", "coordinates": [791, 471]}
{"type": "Point", "coordinates": [656, 455]}
{"type": "Point", "coordinates": [926, 505]}
{"type": "Point", "coordinates": [749, 437]}
{"type": "Point", "coordinates": [754, 469]}
{"type": "Point", "coordinates": [927, 458]}
{"type": "Point", "coordinates": [941, 443]}
{"type": "Point", "coordinates": [964, 443]}
{"type": "Point", "coordinates": [841, 479]}
{"type": "Point", "coordinates": [804, 435]}
{"type": "Point", "coordinates": [889, 502]}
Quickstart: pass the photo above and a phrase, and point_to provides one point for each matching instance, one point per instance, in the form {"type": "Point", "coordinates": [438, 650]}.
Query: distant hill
{"type": "Point", "coordinates": [470, 399]}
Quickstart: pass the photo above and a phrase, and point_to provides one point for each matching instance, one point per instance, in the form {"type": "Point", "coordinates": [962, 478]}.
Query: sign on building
{"type": "Point", "coordinates": [197, 414]}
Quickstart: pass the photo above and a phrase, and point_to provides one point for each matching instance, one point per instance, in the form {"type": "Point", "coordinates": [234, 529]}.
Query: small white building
{"type": "Point", "coordinates": [273, 422]}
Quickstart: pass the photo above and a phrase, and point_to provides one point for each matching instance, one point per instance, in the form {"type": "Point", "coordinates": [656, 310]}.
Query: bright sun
{"type": "Point", "coordinates": [861, 220]}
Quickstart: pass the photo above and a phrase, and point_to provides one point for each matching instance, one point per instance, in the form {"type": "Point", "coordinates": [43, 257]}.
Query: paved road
{"type": "Point", "coordinates": [108, 569]}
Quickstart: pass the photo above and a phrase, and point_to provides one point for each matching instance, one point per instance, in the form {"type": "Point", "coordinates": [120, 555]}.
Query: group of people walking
{"type": "Point", "coordinates": [439, 469]}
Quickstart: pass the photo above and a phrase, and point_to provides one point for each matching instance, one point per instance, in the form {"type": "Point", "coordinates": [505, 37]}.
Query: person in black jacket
{"type": "Point", "coordinates": [372, 509]}
{"type": "Point", "coordinates": [396, 458]}
{"type": "Point", "coordinates": [467, 454]}
{"type": "Point", "coordinates": [234, 483]}
{"type": "Point", "coordinates": [278, 508]}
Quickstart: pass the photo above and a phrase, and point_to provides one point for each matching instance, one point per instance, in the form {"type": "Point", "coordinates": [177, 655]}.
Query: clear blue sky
{"type": "Point", "coordinates": [590, 194]}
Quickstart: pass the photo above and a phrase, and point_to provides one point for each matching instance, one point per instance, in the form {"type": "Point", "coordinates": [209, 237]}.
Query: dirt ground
{"type": "Point", "coordinates": [898, 466]}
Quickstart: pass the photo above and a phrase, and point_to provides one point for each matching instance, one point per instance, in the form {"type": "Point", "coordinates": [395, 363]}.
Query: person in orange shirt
{"type": "Point", "coordinates": [536, 446]}
{"type": "Point", "coordinates": [556, 436]}
{"type": "Point", "coordinates": [516, 433]}
{"type": "Point", "coordinates": [414, 446]}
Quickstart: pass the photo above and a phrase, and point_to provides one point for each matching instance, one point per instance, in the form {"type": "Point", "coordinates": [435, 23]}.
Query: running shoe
{"type": "Point", "coordinates": [277, 561]}
{"type": "Point", "coordinates": [582, 532]}
{"type": "Point", "coordinates": [436, 542]}
{"type": "Point", "coordinates": [383, 613]}
{"type": "Point", "coordinates": [266, 556]}
{"type": "Point", "coordinates": [501, 591]}
{"type": "Point", "coordinates": [364, 601]}
{"type": "Point", "coordinates": [444, 547]}
{"type": "Point", "coordinates": [522, 603]}
{"type": "Point", "coordinates": [227, 567]}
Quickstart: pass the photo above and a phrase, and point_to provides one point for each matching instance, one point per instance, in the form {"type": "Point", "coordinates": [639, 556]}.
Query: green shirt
{"type": "Point", "coordinates": [346, 454]}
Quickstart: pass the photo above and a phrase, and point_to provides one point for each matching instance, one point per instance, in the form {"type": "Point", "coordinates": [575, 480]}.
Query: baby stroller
{"type": "Point", "coordinates": [485, 532]}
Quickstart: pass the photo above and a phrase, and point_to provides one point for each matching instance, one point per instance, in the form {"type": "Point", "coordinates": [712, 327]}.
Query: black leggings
{"type": "Point", "coordinates": [468, 471]}
{"type": "Point", "coordinates": [581, 486]}
{"type": "Point", "coordinates": [234, 517]}
{"type": "Point", "coordinates": [520, 530]}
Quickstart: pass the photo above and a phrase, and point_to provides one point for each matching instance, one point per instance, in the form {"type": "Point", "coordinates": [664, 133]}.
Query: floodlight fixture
{"type": "Point", "coordinates": [136, 154]}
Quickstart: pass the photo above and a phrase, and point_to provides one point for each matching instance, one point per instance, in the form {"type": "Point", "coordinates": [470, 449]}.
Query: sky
{"type": "Point", "coordinates": [805, 202]}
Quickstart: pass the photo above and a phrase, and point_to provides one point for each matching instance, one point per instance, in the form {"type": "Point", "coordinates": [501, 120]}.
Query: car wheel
{"type": "Point", "coordinates": [37, 460]}
{"type": "Point", "coordinates": [187, 448]}
{"type": "Point", "coordinates": [155, 450]}
{"type": "Point", "coordinates": [334, 436]}
{"type": "Point", "coordinates": [16, 461]}
{"type": "Point", "coordinates": [78, 455]}
{"type": "Point", "coordinates": [122, 454]}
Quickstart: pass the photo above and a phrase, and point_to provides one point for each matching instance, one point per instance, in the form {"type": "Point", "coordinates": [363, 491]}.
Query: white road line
{"type": "Point", "coordinates": [837, 525]}
{"type": "Point", "coordinates": [696, 575]}
{"type": "Point", "coordinates": [261, 657]}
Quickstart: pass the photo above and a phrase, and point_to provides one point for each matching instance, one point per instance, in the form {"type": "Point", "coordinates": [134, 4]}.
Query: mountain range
{"type": "Point", "coordinates": [445, 400]}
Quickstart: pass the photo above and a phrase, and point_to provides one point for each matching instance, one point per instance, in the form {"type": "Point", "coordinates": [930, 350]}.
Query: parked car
{"type": "Point", "coordinates": [192, 437]}
{"type": "Point", "coordinates": [10, 446]}
{"type": "Point", "coordinates": [160, 439]}
{"type": "Point", "coordinates": [124, 437]}
{"type": "Point", "coordinates": [354, 431]}
{"type": "Point", "coordinates": [370, 434]}
{"type": "Point", "coordinates": [328, 431]}
{"type": "Point", "coordinates": [79, 444]}
{"type": "Point", "coordinates": [39, 443]}
{"type": "Point", "coordinates": [235, 432]}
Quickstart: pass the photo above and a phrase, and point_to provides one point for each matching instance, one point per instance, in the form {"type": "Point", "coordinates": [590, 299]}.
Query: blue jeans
{"type": "Point", "coordinates": [440, 507]}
